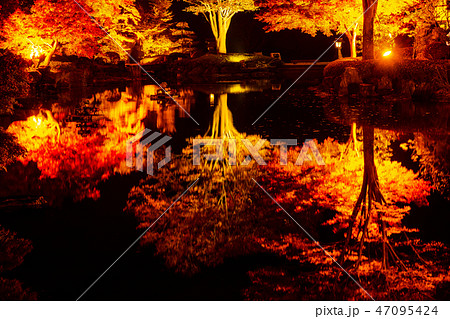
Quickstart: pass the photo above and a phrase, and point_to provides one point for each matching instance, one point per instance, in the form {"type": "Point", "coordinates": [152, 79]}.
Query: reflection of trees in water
{"type": "Point", "coordinates": [329, 193]}
{"type": "Point", "coordinates": [72, 166]}
{"type": "Point", "coordinates": [400, 117]}
{"type": "Point", "coordinates": [369, 195]}
{"type": "Point", "coordinates": [131, 109]}
{"type": "Point", "coordinates": [222, 124]}
{"type": "Point", "coordinates": [404, 115]}
{"type": "Point", "coordinates": [426, 124]}
{"type": "Point", "coordinates": [432, 152]}
{"type": "Point", "coordinates": [352, 141]}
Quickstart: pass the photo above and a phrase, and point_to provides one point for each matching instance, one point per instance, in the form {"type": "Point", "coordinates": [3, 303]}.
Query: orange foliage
{"type": "Point", "coordinates": [76, 162]}
{"type": "Point", "coordinates": [309, 274]}
{"type": "Point", "coordinates": [72, 24]}
{"type": "Point", "coordinates": [79, 163]}
{"type": "Point", "coordinates": [336, 186]}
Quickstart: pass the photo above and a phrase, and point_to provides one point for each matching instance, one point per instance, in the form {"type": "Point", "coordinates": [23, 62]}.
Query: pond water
{"type": "Point", "coordinates": [82, 231]}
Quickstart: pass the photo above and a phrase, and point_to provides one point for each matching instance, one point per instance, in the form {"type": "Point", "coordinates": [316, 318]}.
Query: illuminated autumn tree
{"type": "Point", "coordinates": [182, 37]}
{"type": "Point", "coordinates": [415, 14]}
{"type": "Point", "coordinates": [219, 13]}
{"type": "Point", "coordinates": [121, 20]}
{"type": "Point", "coordinates": [74, 28]}
{"type": "Point", "coordinates": [49, 25]}
{"type": "Point", "coordinates": [377, 13]}
{"type": "Point", "coordinates": [154, 30]}
{"type": "Point", "coordinates": [68, 161]}
{"type": "Point", "coordinates": [425, 21]}
{"type": "Point", "coordinates": [143, 28]}
{"type": "Point", "coordinates": [314, 16]}
{"type": "Point", "coordinates": [343, 17]}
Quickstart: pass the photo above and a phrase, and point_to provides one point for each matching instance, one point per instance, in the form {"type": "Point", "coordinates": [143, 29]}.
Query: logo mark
{"type": "Point", "coordinates": [138, 143]}
{"type": "Point", "coordinates": [309, 146]}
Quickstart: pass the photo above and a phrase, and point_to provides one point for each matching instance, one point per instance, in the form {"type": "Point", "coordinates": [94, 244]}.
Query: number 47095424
{"type": "Point", "coordinates": [407, 310]}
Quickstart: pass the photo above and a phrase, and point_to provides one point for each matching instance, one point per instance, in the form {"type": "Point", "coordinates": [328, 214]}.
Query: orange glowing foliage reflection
{"type": "Point", "coordinates": [79, 163]}
{"type": "Point", "coordinates": [128, 109]}
{"type": "Point", "coordinates": [76, 162]}
{"type": "Point", "coordinates": [310, 189]}
{"type": "Point", "coordinates": [309, 193]}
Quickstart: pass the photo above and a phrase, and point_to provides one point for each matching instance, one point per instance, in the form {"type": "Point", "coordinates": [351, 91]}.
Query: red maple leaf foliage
{"type": "Point", "coordinates": [75, 25]}
{"type": "Point", "coordinates": [309, 189]}
{"type": "Point", "coordinates": [73, 163]}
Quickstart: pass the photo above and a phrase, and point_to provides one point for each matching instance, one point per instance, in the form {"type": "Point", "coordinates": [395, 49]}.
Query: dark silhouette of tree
{"type": "Point", "coordinates": [370, 11]}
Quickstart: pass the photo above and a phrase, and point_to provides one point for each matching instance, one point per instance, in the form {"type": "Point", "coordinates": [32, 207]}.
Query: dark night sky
{"type": "Point", "coordinates": [246, 35]}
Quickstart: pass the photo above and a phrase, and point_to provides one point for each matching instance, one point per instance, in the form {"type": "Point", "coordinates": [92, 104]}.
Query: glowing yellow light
{"type": "Point", "coordinates": [237, 88]}
{"type": "Point", "coordinates": [211, 99]}
{"type": "Point", "coordinates": [36, 52]}
{"type": "Point", "coordinates": [237, 58]}
{"type": "Point", "coordinates": [387, 53]}
{"type": "Point", "coordinates": [37, 120]}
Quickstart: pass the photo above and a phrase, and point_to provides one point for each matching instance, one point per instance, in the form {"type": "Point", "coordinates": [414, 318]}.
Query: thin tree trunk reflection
{"type": "Point", "coordinates": [370, 192]}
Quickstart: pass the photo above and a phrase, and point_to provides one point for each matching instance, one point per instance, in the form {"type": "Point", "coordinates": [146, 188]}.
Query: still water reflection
{"type": "Point", "coordinates": [76, 143]}
{"type": "Point", "coordinates": [92, 128]}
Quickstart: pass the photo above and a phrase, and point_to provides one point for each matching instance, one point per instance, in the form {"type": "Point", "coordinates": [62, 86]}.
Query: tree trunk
{"type": "Point", "coordinates": [353, 41]}
{"type": "Point", "coordinates": [369, 165]}
{"type": "Point", "coordinates": [354, 138]}
{"type": "Point", "coordinates": [222, 34]}
{"type": "Point", "coordinates": [220, 23]}
{"type": "Point", "coordinates": [222, 43]}
{"type": "Point", "coordinates": [370, 190]}
{"type": "Point", "coordinates": [353, 46]}
{"type": "Point", "coordinates": [370, 10]}
{"type": "Point", "coordinates": [351, 36]}
{"type": "Point", "coordinates": [222, 126]}
{"type": "Point", "coordinates": [49, 55]}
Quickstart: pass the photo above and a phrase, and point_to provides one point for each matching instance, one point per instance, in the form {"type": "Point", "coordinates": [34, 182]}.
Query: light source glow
{"type": "Point", "coordinates": [387, 53]}
{"type": "Point", "coordinates": [35, 50]}
{"type": "Point", "coordinates": [237, 58]}
{"type": "Point", "coordinates": [36, 120]}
